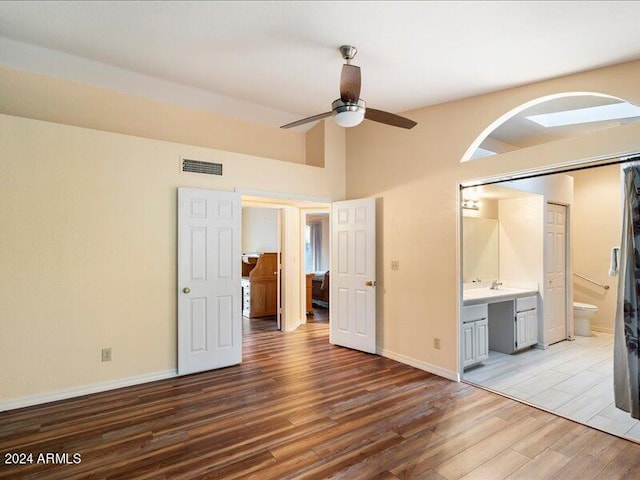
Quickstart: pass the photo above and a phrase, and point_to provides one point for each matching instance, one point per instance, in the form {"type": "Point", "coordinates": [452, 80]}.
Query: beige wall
{"type": "Point", "coordinates": [415, 174]}
{"type": "Point", "coordinates": [259, 230]}
{"type": "Point", "coordinates": [597, 226]}
{"type": "Point", "coordinates": [88, 242]}
{"type": "Point", "coordinates": [42, 97]}
{"type": "Point", "coordinates": [314, 146]}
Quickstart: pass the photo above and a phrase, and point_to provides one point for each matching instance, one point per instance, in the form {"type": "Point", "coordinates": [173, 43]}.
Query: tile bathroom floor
{"type": "Point", "coordinates": [573, 379]}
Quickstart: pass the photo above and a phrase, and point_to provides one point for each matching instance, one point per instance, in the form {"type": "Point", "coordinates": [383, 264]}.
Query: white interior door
{"type": "Point", "coordinates": [352, 299]}
{"type": "Point", "coordinates": [555, 298]}
{"type": "Point", "coordinates": [209, 273]}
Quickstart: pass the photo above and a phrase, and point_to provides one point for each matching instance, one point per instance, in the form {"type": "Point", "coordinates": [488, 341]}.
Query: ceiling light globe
{"type": "Point", "coordinates": [349, 118]}
{"type": "Point", "coordinates": [348, 114]}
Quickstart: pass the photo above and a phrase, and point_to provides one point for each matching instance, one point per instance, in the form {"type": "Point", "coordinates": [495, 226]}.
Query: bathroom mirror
{"type": "Point", "coordinates": [480, 249]}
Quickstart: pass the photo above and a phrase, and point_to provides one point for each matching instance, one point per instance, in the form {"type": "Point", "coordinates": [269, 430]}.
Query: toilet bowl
{"type": "Point", "coordinates": [582, 315]}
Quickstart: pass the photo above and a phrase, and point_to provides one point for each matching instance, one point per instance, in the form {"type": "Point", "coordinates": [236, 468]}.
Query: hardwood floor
{"type": "Point", "coordinates": [301, 408]}
{"type": "Point", "coordinates": [320, 315]}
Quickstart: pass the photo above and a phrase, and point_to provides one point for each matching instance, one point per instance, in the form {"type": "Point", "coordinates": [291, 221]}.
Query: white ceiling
{"type": "Point", "coordinates": [274, 62]}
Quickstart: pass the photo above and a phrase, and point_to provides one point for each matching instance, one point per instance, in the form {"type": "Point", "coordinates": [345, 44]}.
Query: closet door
{"type": "Point", "coordinates": [555, 296]}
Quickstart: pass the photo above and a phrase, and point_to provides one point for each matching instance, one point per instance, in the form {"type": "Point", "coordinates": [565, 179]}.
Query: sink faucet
{"type": "Point", "coordinates": [495, 284]}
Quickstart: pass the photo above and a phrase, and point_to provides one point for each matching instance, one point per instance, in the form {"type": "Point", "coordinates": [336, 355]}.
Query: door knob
{"type": "Point", "coordinates": [370, 283]}
{"type": "Point", "coordinates": [186, 289]}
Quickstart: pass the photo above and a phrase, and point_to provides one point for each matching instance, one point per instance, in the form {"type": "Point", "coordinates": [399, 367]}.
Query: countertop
{"type": "Point", "coordinates": [475, 296]}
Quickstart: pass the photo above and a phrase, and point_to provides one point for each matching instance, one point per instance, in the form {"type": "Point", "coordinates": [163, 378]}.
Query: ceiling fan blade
{"type": "Point", "coordinates": [350, 84]}
{"type": "Point", "coordinates": [307, 120]}
{"type": "Point", "coordinates": [388, 118]}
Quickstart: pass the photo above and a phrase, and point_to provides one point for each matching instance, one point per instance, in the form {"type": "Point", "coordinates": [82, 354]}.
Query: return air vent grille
{"type": "Point", "coordinates": [198, 166]}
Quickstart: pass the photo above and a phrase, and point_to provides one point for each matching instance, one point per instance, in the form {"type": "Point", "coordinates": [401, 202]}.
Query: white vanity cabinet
{"type": "Point", "coordinates": [526, 322]}
{"type": "Point", "coordinates": [475, 334]}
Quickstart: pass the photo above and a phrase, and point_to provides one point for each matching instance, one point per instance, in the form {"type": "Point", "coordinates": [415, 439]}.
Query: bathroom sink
{"type": "Point", "coordinates": [488, 294]}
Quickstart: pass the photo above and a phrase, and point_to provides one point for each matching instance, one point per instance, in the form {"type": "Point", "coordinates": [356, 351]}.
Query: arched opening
{"type": "Point", "coordinates": [550, 118]}
{"type": "Point", "coordinates": [538, 270]}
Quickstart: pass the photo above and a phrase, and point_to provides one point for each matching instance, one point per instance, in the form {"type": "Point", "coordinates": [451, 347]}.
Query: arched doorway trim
{"type": "Point", "coordinates": [515, 111]}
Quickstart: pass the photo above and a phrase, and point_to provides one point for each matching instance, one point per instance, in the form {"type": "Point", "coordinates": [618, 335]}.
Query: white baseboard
{"type": "Point", "coordinates": [601, 329]}
{"type": "Point", "coordinates": [63, 394]}
{"type": "Point", "coordinates": [427, 367]}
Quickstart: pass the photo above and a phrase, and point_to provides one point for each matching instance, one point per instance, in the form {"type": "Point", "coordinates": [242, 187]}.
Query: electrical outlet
{"type": "Point", "coordinates": [395, 265]}
{"type": "Point", "coordinates": [436, 343]}
{"type": "Point", "coordinates": [106, 354]}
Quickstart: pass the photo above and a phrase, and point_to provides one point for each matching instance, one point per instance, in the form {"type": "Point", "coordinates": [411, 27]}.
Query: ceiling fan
{"type": "Point", "coordinates": [350, 110]}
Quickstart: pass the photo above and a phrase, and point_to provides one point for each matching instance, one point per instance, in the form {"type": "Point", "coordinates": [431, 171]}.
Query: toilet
{"type": "Point", "coordinates": [582, 315]}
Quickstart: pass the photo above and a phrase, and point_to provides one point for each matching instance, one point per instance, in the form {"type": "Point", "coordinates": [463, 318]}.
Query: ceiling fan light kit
{"type": "Point", "coordinates": [350, 110]}
{"type": "Point", "coordinates": [348, 114]}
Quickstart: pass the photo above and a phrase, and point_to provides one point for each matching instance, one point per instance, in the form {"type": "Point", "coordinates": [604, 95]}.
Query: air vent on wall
{"type": "Point", "coordinates": [198, 166]}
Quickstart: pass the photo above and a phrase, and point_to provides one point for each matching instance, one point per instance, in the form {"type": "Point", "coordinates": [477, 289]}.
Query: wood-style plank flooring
{"type": "Point", "coordinates": [300, 408]}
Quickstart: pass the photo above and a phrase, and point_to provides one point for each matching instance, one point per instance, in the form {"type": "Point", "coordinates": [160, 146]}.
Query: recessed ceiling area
{"type": "Point", "coordinates": [276, 62]}
{"type": "Point", "coordinates": [557, 119]}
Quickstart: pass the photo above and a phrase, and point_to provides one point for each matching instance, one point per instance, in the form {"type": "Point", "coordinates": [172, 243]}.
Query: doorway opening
{"type": "Point", "coordinates": [317, 261]}
{"type": "Point", "coordinates": [291, 234]}
{"type": "Point", "coordinates": [261, 268]}
{"type": "Point", "coordinates": [536, 257]}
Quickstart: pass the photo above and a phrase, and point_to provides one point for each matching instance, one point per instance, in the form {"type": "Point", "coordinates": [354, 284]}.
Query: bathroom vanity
{"type": "Point", "coordinates": [504, 320]}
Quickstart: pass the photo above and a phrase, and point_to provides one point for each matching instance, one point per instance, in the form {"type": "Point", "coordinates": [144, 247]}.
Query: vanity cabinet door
{"type": "Point", "coordinates": [521, 330]}
{"type": "Point", "coordinates": [475, 334]}
{"type": "Point", "coordinates": [481, 330]}
{"type": "Point", "coordinates": [468, 344]}
{"type": "Point", "coordinates": [526, 329]}
{"type": "Point", "coordinates": [532, 327]}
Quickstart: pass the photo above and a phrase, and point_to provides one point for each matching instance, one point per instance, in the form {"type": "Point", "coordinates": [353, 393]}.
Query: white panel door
{"type": "Point", "coordinates": [555, 247]}
{"type": "Point", "coordinates": [209, 274]}
{"type": "Point", "coordinates": [352, 300]}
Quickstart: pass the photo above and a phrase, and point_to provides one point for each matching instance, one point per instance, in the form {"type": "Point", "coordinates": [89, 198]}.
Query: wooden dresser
{"type": "Point", "coordinates": [259, 285]}
{"type": "Point", "coordinates": [309, 293]}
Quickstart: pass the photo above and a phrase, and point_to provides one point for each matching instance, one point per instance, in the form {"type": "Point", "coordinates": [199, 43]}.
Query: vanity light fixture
{"type": "Point", "coordinates": [471, 204]}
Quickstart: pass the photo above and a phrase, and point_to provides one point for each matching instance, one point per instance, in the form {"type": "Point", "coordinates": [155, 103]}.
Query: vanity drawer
{"type": "Point", "coordinates": [526, 303]}
{"type": "Point", "coordinates": [474, 313]}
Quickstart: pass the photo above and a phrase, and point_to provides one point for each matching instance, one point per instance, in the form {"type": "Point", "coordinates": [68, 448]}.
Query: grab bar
{"type": "Point", "coordinates": [606, 287]}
